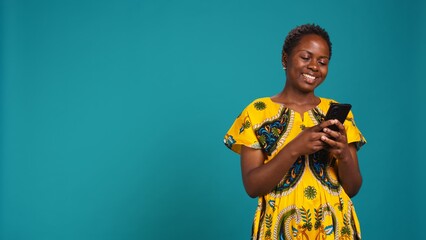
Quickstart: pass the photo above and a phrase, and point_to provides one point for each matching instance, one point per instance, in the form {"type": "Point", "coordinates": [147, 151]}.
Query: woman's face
{"type": "Point", "coordinates": [307, 64]}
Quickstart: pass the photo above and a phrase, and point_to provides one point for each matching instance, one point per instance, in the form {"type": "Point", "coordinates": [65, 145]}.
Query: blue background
{"type": "Point", "coordinates": [113, 112]}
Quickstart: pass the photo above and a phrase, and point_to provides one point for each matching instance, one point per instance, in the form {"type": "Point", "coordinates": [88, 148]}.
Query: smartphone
{"type": "Point", "coordinates": [337, 111]}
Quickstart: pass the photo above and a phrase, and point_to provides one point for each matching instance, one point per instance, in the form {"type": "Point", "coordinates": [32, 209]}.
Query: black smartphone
{"type": "Point", "coordinates": [337, 111]}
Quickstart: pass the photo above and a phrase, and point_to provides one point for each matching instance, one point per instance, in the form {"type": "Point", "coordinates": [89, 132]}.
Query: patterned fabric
{"type": "Point", "coordinates": [309, 202]}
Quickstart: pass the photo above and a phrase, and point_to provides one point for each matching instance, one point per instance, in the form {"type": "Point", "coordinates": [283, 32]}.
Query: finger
{"type": "Point", "coordinates": [329, 141]}
{"type": "Point", "coordinates": [325, 124]}
{"type": "Point", "coordinates": [318, 135]}
{"type": "Point", "coordinates": [319, 145]}
{"type": "Point", "coordinates": [317, 148]}
{"type": "Point", "coordinates": [341, 127]}
{"type": "Point", "coordinates": [331, 133]}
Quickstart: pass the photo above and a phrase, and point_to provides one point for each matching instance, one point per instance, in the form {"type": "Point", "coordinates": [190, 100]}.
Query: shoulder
{"type": "Point", "coordinates": [325, 103]}
{"type": "Point", "coordinates": [259, 104]}
{"type": "Point", "coordinates": [328, 100]}
{"type": "Point", "coordinates": [261, 109]}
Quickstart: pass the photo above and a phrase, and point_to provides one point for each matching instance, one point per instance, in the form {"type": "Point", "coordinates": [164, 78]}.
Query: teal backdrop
{"type": "Point", "coordinates": [112, 113]}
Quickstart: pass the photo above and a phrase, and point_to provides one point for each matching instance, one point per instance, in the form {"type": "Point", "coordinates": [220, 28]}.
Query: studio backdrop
{"type": "Point", "coordinates": [112, 113]}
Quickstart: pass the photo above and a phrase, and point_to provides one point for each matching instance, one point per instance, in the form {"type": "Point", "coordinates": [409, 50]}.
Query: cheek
{"type": "Point", "coordinates": [324, 72]}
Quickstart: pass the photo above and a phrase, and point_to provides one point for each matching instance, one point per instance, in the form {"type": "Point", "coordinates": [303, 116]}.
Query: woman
{"type": "Point", "coordinates": [303, 194]}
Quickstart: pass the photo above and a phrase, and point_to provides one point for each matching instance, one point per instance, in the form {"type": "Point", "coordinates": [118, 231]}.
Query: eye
{"type": "Point", "coordinates": [323, 62]}
{"type": "Point", "coordinates": [304, 58]}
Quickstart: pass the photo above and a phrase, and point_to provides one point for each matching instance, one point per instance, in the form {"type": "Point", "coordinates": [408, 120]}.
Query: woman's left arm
{"type": "Point", "coordinates": [346, 154]}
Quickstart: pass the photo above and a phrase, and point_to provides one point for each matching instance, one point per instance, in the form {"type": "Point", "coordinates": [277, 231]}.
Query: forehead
{"type": "Point", "coordinates": [314, 44]}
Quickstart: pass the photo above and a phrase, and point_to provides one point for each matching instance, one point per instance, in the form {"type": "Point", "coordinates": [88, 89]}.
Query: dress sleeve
{"type": "Point", "coordinates": [241, 133]}
{"type": "Point", "coordinates": [352, 132]}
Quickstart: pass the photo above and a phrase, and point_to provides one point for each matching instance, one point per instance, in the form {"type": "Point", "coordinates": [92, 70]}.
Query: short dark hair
{"type": "Point", "coordinates": [294, 36]}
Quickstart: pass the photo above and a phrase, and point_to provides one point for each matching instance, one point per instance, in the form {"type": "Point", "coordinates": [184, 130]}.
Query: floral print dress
{"type": "Point", "coordinates": [309, 202]}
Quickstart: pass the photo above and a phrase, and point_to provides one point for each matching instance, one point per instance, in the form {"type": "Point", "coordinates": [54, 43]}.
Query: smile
{"type": "Point", "coordinates": [308, 77]}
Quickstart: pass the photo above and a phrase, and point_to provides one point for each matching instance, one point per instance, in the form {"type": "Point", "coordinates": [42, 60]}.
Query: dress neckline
{"type": "Point", "coordinates": [300, 113]}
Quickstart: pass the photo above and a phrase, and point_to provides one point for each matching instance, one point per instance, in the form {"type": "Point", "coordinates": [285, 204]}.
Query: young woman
{"type": "Point", "coordinates": [302, 192]}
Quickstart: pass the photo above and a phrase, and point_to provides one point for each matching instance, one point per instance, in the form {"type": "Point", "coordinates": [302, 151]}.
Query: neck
{"type": "Point", "coordinates": [297, 102]}
{"type": "Point", "coordinates": [297, 98]}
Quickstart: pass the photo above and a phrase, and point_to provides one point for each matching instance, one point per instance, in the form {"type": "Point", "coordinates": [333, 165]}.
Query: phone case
{"type": "Point", "coordinates": [338, 111]}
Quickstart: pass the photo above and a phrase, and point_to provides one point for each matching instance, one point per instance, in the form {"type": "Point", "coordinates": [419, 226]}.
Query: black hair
{"type": "Point", "coordinates": [294, 36]}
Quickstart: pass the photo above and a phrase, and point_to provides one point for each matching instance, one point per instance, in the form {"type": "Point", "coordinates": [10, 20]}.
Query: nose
{"type": "Point", "coordinates": [313, 66]}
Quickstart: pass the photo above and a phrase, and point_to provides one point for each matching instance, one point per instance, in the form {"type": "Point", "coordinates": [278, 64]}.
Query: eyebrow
{"type": "Point", "coordinates": [312, 54]}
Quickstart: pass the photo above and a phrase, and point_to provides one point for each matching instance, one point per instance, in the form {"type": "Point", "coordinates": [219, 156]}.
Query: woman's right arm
{"type": "Point", "coordinates": [259, 178]}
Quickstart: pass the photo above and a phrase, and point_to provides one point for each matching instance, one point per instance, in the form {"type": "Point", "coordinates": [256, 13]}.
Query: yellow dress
{"type": "Point", "coordinates": [309, 202]}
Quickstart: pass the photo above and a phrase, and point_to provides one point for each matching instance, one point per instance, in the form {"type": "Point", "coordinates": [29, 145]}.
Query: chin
{"type": "Point", "coordinates": [308, 89]}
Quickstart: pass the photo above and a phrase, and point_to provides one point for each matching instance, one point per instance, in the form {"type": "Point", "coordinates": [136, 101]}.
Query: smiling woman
{"type": "Point", "coordinates": [301, 191]}
{"type": "Point", "coordinates": [307, 65]}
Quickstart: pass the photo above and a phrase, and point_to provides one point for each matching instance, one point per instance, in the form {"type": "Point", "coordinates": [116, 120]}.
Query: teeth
{"type": "Point", "coordinates": [308, 76]}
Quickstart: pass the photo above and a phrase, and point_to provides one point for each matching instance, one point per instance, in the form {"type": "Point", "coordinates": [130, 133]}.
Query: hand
{"type": "Point", "coordinates": [311, 140]}
{"type": "Point", "coordinates": [337, 141]}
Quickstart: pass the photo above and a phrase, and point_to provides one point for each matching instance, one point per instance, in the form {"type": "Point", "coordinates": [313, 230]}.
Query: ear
{"type": "Point", "coordinates": [284, 60]}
